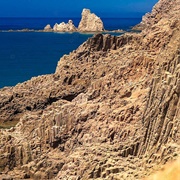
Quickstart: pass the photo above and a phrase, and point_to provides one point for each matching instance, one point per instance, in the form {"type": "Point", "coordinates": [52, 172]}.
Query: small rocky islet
{"type": "Point", "coordinates": [89, 23]}
{"type": "Point", "coordinates": [110, 110]}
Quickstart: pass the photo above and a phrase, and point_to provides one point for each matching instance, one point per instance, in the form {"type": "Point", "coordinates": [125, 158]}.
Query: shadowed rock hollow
{"type": "Point", "coordinates": [111, 109]}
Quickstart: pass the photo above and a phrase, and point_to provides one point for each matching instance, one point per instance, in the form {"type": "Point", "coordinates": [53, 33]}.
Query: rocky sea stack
{"type": "Point", "coordinates": [63, 27]}
{"type": "Point", "coordinates": [89, 23]}
{"type": "Point", "coordinates": [110, 111]}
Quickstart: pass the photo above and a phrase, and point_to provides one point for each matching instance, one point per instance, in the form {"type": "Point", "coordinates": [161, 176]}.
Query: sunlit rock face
{"type": "Point", "coordinates": [169, 172]}
{"type": "Point", "coordinates": [161, 9]}
{"type": "Point", "coordinates": [48, 28]}
{"type": "Point", "coordinates": [65, 27]}
{"type": "Point", "coordinates": [90, 22]}
{"type": "Point", "coordinates": [110, 110]}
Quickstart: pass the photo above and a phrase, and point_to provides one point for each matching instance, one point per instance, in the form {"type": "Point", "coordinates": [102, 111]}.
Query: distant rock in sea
{"type": "Point", "coordinates": [90, 22]}
{"type": "Point", "coordinates": [65, 27]}
{"type": "Point", "coordinates": [48, 28]}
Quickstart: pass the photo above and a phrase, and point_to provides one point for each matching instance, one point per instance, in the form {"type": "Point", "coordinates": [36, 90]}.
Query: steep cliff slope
{"type": "Point", "coordinates": [111, 109]}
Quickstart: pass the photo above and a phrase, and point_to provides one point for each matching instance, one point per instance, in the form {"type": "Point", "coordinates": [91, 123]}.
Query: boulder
{"type": "Point", "coordinates": [90, 22]}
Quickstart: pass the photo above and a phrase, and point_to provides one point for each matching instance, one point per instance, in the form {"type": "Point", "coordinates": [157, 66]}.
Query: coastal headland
{"type": "Point", "coordinates": [111, 110]}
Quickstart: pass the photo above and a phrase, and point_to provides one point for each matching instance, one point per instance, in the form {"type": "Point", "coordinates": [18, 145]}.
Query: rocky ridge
{"type": "Point", "coordinates": [163, 7]}
{"type": "Point", "coordinates": [111, 109]}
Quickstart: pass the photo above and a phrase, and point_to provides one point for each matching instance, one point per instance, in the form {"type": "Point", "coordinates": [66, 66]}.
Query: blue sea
{"type": "Point", "coordinates": [24, 55]}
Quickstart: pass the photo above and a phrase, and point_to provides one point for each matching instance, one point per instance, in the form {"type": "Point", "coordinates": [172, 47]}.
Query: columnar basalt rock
{"type": "Point", "coordinates": [110, 111]}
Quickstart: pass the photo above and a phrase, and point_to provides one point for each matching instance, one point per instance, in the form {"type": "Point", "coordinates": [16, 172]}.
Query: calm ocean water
{"type": "Point", "coordinates": [27, 54]}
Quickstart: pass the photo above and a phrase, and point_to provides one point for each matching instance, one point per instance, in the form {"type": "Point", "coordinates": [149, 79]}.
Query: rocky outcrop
{"type": "Point", "coordinates": [63, 27]}
{"type": "Point", "coordinates": [162, 8]}
{"type": "Point", "coordinates": [48, 28]}
{"type": "Point", "coordinates": [90, 22]}
{"type": "Point", "coordinates": [110, 111]}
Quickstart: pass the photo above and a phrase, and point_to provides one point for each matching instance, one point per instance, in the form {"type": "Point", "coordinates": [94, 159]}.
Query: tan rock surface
{"type": "Point", "coordinates": [65, 27]}
{"type": "Point", "coordinates": [48, 28]}
{"type": "Point", "coordinates": [90, 22]}
{"type": "Point", "coordinates": [110, 111]}
{"type": "Point", "coordinates": [161, 9]}
{"type": "Point", "coordinates": [170, 172]}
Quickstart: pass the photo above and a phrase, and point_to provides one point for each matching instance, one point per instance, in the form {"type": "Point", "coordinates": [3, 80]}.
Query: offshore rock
{"type": "Point", "coordinates": [48, 28]}
{"type": "Point", "coordinates": [65, 27]}
{"type": "Point", "coordinates": [90, 22]}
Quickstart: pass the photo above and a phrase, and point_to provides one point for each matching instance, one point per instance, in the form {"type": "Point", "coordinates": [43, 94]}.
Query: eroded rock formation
{"type": "Point", "coordinates": [110, 111]}
{"type": "Point", "coordinates": [48, 28]}
{"type": "Point", "coordinates": [162, 8]}
{"type": "Point", "coordinates": [90, 22]}
{"type": "Point", "coordinates": [65, 27]}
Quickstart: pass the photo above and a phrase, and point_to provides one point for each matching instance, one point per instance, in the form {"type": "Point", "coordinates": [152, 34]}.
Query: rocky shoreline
{"type": "Point", "coordinates": [110, 110]}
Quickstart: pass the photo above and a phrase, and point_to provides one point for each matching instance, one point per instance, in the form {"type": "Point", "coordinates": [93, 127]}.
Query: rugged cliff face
{"type": "Point", "coordinates": [111, 109]}
{"type": "Point", "coordinates": [162, 10]}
